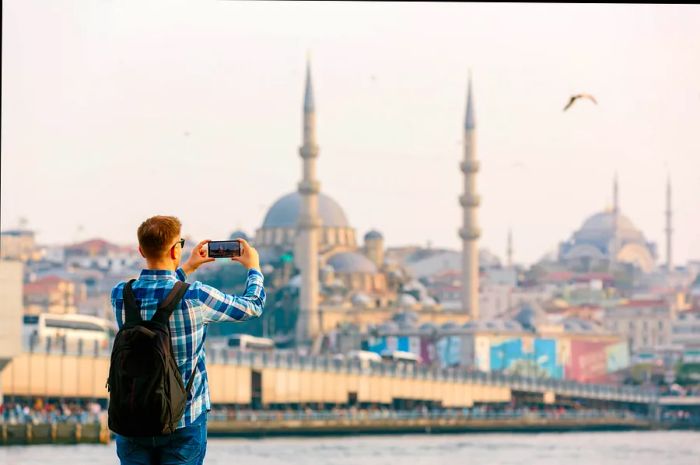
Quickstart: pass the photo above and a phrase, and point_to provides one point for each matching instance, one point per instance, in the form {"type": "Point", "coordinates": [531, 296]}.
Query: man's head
{"type": "Point", "coordinates": [159, 240]}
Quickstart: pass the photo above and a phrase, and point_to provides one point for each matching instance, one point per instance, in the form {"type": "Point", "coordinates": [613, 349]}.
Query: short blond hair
{"type": "Point", "coordinates": [156, 235]}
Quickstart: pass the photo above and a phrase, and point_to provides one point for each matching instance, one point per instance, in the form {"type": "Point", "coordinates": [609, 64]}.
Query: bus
{"type": "Point", "coordinates": [72, 328]}
{"type": "Point", "coordinates": [365, 357]}
{"type": "Point", "coordinates": [248, 343]}
{"type": "Point", "coordinates": [400, 356]}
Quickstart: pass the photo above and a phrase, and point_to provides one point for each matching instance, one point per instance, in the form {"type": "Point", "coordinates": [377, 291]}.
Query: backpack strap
{"type": "Point", "coordinates": [132, 309]}
{"type": "Point", "coordinates": [166, 309]}
{"type": "Point", "coordinates": [191, 380]}
{"type": "Point", "coordinates": [171, 302]}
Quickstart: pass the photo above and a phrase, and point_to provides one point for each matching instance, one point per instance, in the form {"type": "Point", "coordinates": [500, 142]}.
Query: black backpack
{"type": "Point", "coordinates": [146, 394]}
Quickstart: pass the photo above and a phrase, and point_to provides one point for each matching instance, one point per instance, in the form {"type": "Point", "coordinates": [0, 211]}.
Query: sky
{"type": "Point", "coordinates": [114, 111]}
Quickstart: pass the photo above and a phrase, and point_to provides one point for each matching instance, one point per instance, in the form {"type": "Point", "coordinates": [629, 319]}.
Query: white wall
{"type": "Point", "coordinates": [10, 312]}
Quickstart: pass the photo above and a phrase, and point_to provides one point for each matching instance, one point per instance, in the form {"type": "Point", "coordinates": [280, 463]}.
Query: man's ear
{"type": "Point", "coordinates": [173, 254]}
{"type": "Point", "coordinates": [141, 252]}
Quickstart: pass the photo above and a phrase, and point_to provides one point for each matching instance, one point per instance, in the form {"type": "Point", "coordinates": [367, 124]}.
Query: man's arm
{"type": "Point", "coordinates": [218, 306]}
{"type": "Point", "coordinates": [118, 304]}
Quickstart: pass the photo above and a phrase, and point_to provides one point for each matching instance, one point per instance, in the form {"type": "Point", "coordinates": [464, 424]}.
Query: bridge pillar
{"type": "Point", "coordinates": [10, 313]}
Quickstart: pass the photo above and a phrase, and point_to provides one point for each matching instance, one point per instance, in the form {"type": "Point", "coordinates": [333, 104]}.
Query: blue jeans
{"type": "Point", "coordinates": [186, 446]}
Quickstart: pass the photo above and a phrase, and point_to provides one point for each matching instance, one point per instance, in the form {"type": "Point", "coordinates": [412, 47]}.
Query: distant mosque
{"type": "Point", "coordinates": [606, 239]}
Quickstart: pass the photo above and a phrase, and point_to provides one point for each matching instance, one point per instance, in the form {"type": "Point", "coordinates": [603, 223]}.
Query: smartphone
{"type": "Point", "coordinates": [224, 249]}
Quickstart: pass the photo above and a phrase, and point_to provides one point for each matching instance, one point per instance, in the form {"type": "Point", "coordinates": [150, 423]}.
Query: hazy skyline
{"type": "Point", "coordinates": [116, 111]}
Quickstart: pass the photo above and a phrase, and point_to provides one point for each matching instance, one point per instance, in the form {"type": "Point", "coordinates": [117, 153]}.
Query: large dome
{"type": "Point", "coordinates": [600, 228]}
{"type": "Point", "coordinates": [285, 212]}
{"type": "Point", "coordinates": [605, 233]}
{"type": "Point", "coordinates": [351, 262]}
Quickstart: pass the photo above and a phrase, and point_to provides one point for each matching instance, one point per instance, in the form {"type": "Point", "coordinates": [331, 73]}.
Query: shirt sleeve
{"type": "Point", "coordinates": [218, 306]}
{"type": "Point", "coordinates": [118, 304]}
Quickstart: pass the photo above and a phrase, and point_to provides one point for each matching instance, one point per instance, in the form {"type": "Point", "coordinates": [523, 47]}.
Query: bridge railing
{"type": "Point", "coordinates": [394, 369]}
{"type": "Point", "coordinates": [455, 374]}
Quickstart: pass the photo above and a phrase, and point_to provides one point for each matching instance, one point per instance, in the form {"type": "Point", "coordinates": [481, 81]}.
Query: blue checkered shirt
{"type": "Point", "coordinates": [201, 305]}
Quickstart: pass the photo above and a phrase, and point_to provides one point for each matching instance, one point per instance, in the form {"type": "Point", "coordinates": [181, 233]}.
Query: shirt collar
{"type": "Point", "coordinates": [157, 274]}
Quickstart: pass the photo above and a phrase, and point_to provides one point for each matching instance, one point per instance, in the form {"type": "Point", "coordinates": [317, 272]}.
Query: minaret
{"type": "Point", "coordinates": [470, 232]}
{"type": "Point", "coordinates": [509, 250]}
{"type": "Point", "coordinates": [308, 324]}
{"type": "Point", "coordinates": [615, 246]}
{"type": "Point", "coordinates": [669, 229]}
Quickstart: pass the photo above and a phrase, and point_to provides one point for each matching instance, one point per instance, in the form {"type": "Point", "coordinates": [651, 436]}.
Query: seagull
{"type": "Point", "coordinates": [578, 96]}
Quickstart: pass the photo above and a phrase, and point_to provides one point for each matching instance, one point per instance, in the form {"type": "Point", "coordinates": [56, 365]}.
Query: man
{"type": "Point", "coordinates": [160, 244]}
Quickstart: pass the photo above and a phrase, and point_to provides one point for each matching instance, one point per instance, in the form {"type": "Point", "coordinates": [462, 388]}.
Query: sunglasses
{"type": "Point", "coordinates": [181, 242]}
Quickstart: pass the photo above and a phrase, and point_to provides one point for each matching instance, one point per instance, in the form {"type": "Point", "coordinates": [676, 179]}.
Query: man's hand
{"type": "Point", "coordinates": [197, 258]}
{"type": "Point", "coordinates": [249, 256]}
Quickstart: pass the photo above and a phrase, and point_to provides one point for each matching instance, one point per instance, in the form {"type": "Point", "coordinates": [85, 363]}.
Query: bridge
{"type": "Point", "coordinates": [276, 380]}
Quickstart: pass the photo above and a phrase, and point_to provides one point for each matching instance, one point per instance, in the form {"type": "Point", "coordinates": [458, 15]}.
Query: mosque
{"type": "Point", "coordinates": [340, 279]}
{"type": "Point", "coordinates": [607, 239]}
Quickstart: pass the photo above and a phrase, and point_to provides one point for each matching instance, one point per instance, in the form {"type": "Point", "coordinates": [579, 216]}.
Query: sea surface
{"type": "Point", "coordinates": [599, 448]}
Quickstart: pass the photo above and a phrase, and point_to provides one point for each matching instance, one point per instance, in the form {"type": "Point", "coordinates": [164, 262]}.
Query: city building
{"type": "Point", "coordinates": [18, 244]}
{"type": "Point", "coordinates": [645, 323]}
{"type": "Point", "coordinates": [685, 331]}
{"type": "Point", "coordinates": [52, 294]}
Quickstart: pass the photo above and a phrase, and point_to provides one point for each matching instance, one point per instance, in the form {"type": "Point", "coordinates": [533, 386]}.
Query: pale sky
{"type": "Point", "coordinates": [113, 111]}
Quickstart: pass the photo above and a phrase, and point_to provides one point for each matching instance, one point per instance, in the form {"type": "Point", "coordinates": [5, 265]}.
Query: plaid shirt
{"type": "Point", "coordinates": [201, 305]}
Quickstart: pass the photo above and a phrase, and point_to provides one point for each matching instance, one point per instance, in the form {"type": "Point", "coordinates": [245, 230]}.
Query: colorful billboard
{"type": "Point", "coordinates": [593, 361]}
{"type": "Point", "coordinates": [526, 357]}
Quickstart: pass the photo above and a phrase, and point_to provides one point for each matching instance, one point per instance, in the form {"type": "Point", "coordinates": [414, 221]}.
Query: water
{"type": "Point", "coordinates": [608, 448]}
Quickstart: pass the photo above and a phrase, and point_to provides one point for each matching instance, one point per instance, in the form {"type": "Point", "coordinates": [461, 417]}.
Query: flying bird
{"type": "Point", "coordinates": [578, 96]}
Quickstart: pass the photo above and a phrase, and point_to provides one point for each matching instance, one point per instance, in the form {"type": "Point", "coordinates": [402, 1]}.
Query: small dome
{"type": "Point", "coordinates": [405, 317]}
{"type": "Point", "coordinates": [488, 259]}
{"type": "Point", "coordinates": [414, 285]}
{"type": "Point", "coordinates": [407, 299]}
{"type": "Point", "coordinates": [427, 327]}
{"type": "Point", "coordinates": [373, 234]}
{"type": "Point", "coordinates": [352, 262]}
{"type": "Point", "coordinates": [530, 316]}
{"type": "Point", "coordinates": [337, 283]}
{"type": "Point", "coordinates": [388, 327]}
{"type": "Point", "coordinates": [284, 213]}
{"type": "Point", "coordinates": [361, 300]}
{"type": "Point", "coordinates": [583, 251]}
{"type": "Point", "coordinates": [239, 234]}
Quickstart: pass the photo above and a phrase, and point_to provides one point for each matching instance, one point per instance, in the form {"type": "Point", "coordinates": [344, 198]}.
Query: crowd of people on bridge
{"type": "Point", "coordinates": [38, 411]}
